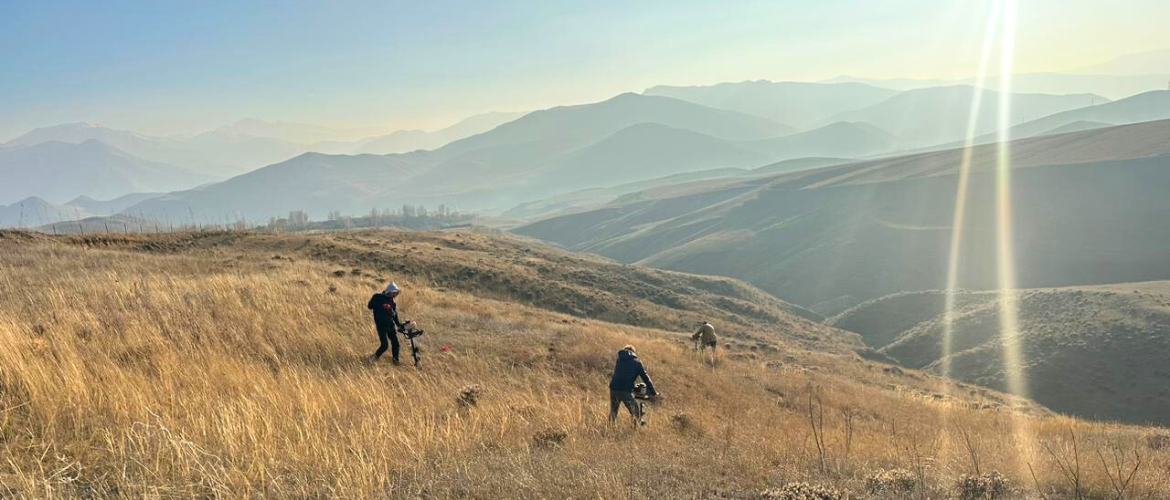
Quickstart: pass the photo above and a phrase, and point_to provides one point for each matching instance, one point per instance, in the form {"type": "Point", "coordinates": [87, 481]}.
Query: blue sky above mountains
{"type": "Point", "coordinates": [166, 67]}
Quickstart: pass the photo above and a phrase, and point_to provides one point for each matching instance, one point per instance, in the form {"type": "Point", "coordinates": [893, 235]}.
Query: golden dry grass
{"type": "Point", "coordinates": [228, 374]}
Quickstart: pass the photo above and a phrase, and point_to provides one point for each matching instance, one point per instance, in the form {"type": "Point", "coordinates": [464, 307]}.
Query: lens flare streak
{"type": "Point", "coordinates": [961, 192]}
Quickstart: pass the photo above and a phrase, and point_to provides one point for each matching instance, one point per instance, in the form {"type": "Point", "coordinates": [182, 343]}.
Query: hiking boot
{"type": "Point", "coordinates": [396, 362]}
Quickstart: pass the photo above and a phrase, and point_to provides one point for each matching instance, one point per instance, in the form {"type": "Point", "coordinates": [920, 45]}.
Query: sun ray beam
{"type": "Point", "coordinates": [961, 191]}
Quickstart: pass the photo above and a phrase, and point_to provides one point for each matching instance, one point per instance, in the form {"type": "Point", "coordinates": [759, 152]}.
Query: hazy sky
{"type": "Point", "coordinates": [165, 67]}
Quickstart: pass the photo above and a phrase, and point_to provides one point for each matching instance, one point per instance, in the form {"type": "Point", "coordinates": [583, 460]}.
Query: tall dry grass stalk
{"type": "Point", "coordinates": [228, 374]}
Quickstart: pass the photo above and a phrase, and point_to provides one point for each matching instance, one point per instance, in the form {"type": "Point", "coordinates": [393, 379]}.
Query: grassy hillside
{"type": "Point", "coordinates": [1090, 351]}
{"type": "Point", "coordinates": [233, 366]}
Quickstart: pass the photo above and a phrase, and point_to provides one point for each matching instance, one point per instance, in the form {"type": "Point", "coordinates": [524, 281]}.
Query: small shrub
{"type": "Point", "coordinates": [891, 481]}
{"type": "Point", "coordinates": [469, 396]}
{"type": "Point", "coordinates": [1158, 442]}
{"type": "Point", "coordinates": [803, 491]}
{"type": "Point", "coordinates": [549, 438]}
{"type": "Point", "coordinates": [339, 273]}
{"type": "Point", "coordinates": [987, 486]}
{"type": "Point", "coordinates": [685, 424]}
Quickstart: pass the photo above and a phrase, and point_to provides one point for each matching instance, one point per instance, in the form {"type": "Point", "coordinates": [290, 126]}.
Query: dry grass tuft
{"type": "Point", "coordinates": [469, 396]}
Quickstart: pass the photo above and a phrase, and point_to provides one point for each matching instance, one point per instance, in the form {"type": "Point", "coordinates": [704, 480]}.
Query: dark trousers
{"type": "Point", "coordinates": [627, 399]}
{"type": "Point", "coordinates": [387, 336]}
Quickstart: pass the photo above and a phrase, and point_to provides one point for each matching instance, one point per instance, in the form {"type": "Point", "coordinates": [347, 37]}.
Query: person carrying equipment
{"type": "Point", "coordinates": [386, 320]}
{"type": "Point", "coordinates": [706, 337]}
{"type": "Point", "coordinates": [621, 387]}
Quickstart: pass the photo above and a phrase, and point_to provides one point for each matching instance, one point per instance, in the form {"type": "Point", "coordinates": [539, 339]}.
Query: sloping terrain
{"type": "Point", "coordinates": [1088, 208]}
{"type": "Point", "coordinates": [531, 273]}
{"type": "Point", "coordinates": [312, 182]}
{"type": "Point", "coordinates": [659, 188]}
{"type": "Point", "coordinates": [411, 140]}
{"type": "Point", "coordinates": [33, 211]}
{"type": "Point", "coordinates": [1091, 351]}
{"type": "Point", "coordinates": [233, 365]}
{"type": "Point", "coordinates": [591, 198]}
{"type": "Point", "coordinates": [841, 139]}
{"type": "Point", "coordinates": [111, 206]}
{"type": "Point", "coordinates": [938, 115]}
{"type": "Point", "coordinates": [1144, 107]}
{"type": "Point", "coordinates": [641, 152]}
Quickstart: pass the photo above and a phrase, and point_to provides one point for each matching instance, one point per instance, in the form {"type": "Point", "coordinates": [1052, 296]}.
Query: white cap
{"type": "Point", "coordinates": [391, 288]}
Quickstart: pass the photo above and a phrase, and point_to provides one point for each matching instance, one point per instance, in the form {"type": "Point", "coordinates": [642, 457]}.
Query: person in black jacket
{"type": "Point", "coordinates": [621, 387]}
{"type": "Point", "coordinates": [386, 320]}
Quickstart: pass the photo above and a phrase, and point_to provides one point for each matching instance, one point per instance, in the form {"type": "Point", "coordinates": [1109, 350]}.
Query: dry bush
{"type": "Point", "coordinates": [891, 481]}
{"type": "Point", "coordinates": [987, 486]}
{"type": "Point", "coordinates": [469, 396]}
{"type": "Point", "coordinates": [685, 424]}
{"type": "Point", "coordinates": [550, 438]}
{"type": "Point", "coordinates": [803, 491]}
{"type": "Point", "coordinates": [1158, 442]}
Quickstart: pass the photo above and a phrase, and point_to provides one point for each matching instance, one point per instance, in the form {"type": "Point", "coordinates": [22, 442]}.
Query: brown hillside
{"type": "Point", "coordinates": [1095, 351]}
{"type": "Point", "coordinates": [204, 367]}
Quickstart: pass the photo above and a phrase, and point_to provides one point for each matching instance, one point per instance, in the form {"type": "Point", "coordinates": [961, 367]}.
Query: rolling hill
{"type": "Point", "coordinates": [640, 152]}
{"type": "Point", "coordinates": [833, 237]}
{"type": "Point", "coordinates": [1089, 351]}
{"type": "Point", "coordinates": [410, 140]}
{"type": "Point", "coordinates": [33, 212]}
{"type": "Point", "coordinates": [113, 206]}
{"type": "Point", "coordinates": [662, 187]}
{"type": "Point", "coordinates": [939, 115]}
{"type": "Point", "coordinates": [1145, 107]}
{"type": "Point", "coordinates": [163, 150]}
{"type": "Point", "coordinates": [59, 171]}
{"type": "Point", "coordinates": [840, 140]}
{"type": "Point", "coordinates": [794, 103]}
{"type": "Point", "coordinates": [312, 181]}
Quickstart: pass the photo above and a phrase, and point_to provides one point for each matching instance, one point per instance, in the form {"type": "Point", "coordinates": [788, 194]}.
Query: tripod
{"type": "Point", "coordinates": [415, 352]}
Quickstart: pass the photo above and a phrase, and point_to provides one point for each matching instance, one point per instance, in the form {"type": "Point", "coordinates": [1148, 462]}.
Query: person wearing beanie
{"type": "Point", "coordinates": [621, 386]}
{"type": "Point", "coordinates": [386, 320]}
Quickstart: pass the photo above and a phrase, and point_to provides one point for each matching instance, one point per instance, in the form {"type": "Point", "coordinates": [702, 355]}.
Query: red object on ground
{"type": "Point", "coordinates": [445, 348]}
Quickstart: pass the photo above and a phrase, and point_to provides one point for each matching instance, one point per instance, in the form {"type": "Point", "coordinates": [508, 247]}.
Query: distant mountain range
{"type": "Point", "coordinates": [803, 105]}
{"type": "Point", "coordinates": [1107, 85]}
{"type": "Point", "coordinates": [493, 162]}
{"type": "Point", "coordinates": [250, 144]}
{"type": "Point", "coordinates": [938, 115]}
{"type": "Point", "coordinates": [624, 139]}
{"type": "Point", "coordinates": [60, 171]}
